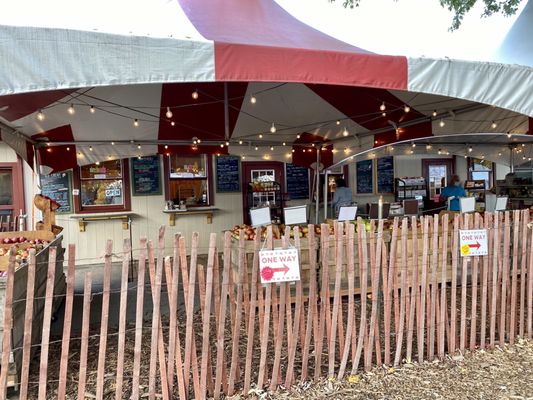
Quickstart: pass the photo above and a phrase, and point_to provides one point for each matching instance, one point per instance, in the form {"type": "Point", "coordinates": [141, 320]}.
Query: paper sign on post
{"type": "Point", "coordinates": [473, 242]}
{"type": "Point", "coordinates": [279, 265]}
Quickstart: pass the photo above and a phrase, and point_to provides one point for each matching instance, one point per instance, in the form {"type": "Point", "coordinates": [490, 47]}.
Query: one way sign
{"type": "Point", "coordinates": [473, 242]}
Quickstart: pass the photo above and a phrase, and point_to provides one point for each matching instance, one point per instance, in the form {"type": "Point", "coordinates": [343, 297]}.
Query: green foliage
{"type": "Point", "coordinates": [461, 7]}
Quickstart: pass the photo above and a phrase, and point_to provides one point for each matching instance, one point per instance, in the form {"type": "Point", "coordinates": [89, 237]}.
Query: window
{"type": "Point", "coordinates": [188, 180]}
{"type": "Point", "coordinates": [481, 170]}
{"type": "Point", "coordinates": [11, 192]}
{"type": "Point", "coordinates": [103, 187]}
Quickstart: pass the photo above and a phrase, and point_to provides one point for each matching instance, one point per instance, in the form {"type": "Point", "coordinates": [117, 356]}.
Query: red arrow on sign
{"type": "Point", "coordinates": [474, 246]}
{"type": "Point", "coordinates": [268, 273]}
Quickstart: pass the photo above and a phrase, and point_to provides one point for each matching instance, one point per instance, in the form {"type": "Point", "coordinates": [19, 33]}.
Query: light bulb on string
{"type": "Point", "coordinates": [383, 114]}
{"type": "Point", "coordinates": [499, 154]}
{"type": "Point", "coordinates": [256, 148]}
{"type": "Point", "coordinates": [169, 113]}
{"type": "Point", "coordinates": [493, 125]}
{"type": "Point", "coordinates": [470, 149]}
{"type": "Point", "coordinates": [509, 135]}
{"type": "Point", "coordinates": [40, 115]}
{"type": "Point", "coordinates": [68, 148]}
{"type": "Point", "coordinates": [273, 128]}
{"type": "Point", "coordinates": [227, 144]}
{"type": "Point", "coordinates": [199, 141]}
{"type": "Point", "coordinates": [240, 141]}
{"type": "Point", "coordinates": [271, 148]}
{"type": "Point", "coordinates": [71, 109]}
{"type": "Point", "coordinates": [345, 132]}
{"type": "Point", "coordinates": [97, 162]}
{"type": "Point", "coordinates": [292, 151]}
{"type": "Point", "coordinates": [92, 109]}
{"type": "Point", "coordinates": [136, 122]}
{"type": "Point", "coordinates": [172, 123]}
{"type": "Point", "coordinates": [253, 99]}
{"type": "Point", "coordinates": [112, 143]}
{"type": "Point", "coordinates": [284, 144]}
{"type": "Point", "coordinates": [194, 95]}
{"type": "Point", "coordinates": [338, 122]}
{"type": "Point", "coordinates": [434, 113]}
{"type": "Point", "coordinates": [222, 145]}
{"type": "Point", "coordinates": [166, 146]}
{"type": "Point", "coordinates": [413, 145]}
{"type": "Point", "coordinates": [260, 136]}
{"type": "Point", "coordinates": [439, 152]}
{"type": "Point", "coordinates": [429, 147]}
{"type": "Point", "coordinates": [90, 148]}
{"type": "Point", "coordinates": [298, 136]}
{"type": "Point", "coordinates": [382, 107]}
{"type": "Point", "coordinates": [139, 146]}
{"type": "Point", "coordinates": [406, 108]}
{"type": "Point", "coordinates": [442, 123]}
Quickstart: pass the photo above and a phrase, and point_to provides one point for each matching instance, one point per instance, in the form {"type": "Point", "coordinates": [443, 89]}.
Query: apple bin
{"type": "Point", "coordinates": [24, 240]}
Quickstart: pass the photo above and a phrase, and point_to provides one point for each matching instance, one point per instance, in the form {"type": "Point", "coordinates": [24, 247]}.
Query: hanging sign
{"type": "Point", "coordinates": [279, 265]}
{"type": "Point", "coordinates": [473, 242]}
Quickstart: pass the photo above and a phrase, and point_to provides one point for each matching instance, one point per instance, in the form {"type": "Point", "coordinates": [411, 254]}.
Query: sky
{"type": "Point", "coordinates": [406, 27]}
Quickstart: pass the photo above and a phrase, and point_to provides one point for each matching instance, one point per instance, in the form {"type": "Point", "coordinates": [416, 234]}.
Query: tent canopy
{"type": "Point", "coordinates": [309, 86]}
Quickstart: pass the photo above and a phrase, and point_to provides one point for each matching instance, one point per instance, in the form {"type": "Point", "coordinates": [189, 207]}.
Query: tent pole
{"type": "Point", "coordinates": [511, 159]}
{"type": "Point", "coordinates": [226, 112]}
{"type": "Point", "coordinates": [317, 197]}
{"type": "Point", "coordinates": [326, 186]}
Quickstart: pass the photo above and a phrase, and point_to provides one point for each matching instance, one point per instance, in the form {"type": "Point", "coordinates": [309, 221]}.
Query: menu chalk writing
{"type": "Point", "coordinates": [146, 176]}
{"type": "Point", "coordinates": [385, 172]}
{"type": "Point", "coordinates": [228, 174]}
{"type": "Point", "coordinates": [297, 182]}
{"type": "Point", "coordinates": [58, 187]}
{"type": "Point", "coordinates": [365, 180]}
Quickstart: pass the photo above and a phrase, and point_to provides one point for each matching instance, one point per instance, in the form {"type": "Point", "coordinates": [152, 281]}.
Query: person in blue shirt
{"type": "Point", "coordinates": [342, 196]}
{"type": "Point", "coordinates": [455, 190]}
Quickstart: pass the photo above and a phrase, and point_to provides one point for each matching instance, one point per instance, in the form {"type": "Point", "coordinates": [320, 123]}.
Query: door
{"type": "Point", "coordinates": [437, 172]}
{"type": "Point", "coordinates": [262, 172]}
{"type": "Point", "coordinates": [11, 194]}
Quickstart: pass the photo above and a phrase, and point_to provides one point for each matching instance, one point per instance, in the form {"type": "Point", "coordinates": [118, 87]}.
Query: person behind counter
{"type": "Point", "coordinates": [454, 190]}
{"type": "Point", "coordinates": [342, 196]}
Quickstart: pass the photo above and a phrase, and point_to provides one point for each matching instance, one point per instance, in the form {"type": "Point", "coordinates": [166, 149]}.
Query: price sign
{"type": "Point", "coordinates": [473, 242]}
{"type": "Point", "coordinates": [279, 265]}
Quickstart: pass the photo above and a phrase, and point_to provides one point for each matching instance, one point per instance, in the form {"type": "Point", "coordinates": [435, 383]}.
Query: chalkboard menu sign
{"type": "Point", "coordinates": [385, 172]}
{"type": "Point", "coordinates": [146, 176]}
{"type": "Point", "coordinates": [228, 174]}
{"type": "Point", "coordinates": [58, 187]}
{"type": "Point", "coordinates": [365, 179]}
{"type": "Point", "coordinates": [297, 181]}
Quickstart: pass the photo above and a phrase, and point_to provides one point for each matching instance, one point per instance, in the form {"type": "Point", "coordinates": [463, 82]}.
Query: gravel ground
{"type": "Point", "coordinates": [502, 373]}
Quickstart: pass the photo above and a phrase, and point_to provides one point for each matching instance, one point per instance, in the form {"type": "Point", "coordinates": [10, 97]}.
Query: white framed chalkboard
{"type": "Point", "coordinates": [228, 173]}
{"type": "Point", "coordinates": [58, 187]}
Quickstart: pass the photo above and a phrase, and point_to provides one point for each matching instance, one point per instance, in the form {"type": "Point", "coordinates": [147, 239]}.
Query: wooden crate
{"type": "Point", "coordinates": [249, 254]}
{"type": "Point", "coordinates": [42, 235]}
{"type": "Point", "coordinates": [19, 303]}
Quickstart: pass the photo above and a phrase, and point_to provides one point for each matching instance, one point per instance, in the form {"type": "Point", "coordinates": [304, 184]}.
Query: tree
{"type": "Point", "coordinates": [461, 7]}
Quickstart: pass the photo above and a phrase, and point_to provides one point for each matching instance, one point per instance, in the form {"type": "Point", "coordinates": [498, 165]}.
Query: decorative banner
{"type": "Point", "coordinates": [473, 242]}
{"type": "Point", "coordinates": [279, 265]}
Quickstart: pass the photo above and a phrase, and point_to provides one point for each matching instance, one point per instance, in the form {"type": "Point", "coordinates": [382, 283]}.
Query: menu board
{"type": "Point", "coordinates": [365, 179]}
{"type": "Point", "coordinates": [297, 181]}
{"type": "Point", "coordinates": [146, 176]}
{"type": "Point", "coordinates": [228, 174]}
{"type": "Point", "coordinates": [58, 187]}
{"type": "Point", "coordinates": [385, 174]}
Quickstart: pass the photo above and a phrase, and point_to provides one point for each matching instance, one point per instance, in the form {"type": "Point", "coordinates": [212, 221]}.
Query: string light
{"type": "Point", "coordinates": [529, 158]}
{"type": "Point", "coordinates": [227, 143]}
{"type": "Point", "coordinates": [345, 132]}
{"type": "Point", "coordinates": [391, 148]}
{"type": "Point", "coordinates": [271, 148]}
{"type": "Point", "coordinates": [166, 146]}
{"type": "Point", "coordinates": [243, 157]}
{"type": "Point", "coordinates": [169, 113]}
{"type": "Point", "coordinates": [493, 125]}
{"type": "Point", "coordinates": [253, 99]}
{"type": "Point", "coordinates": [240, 141]}
{"type": "Point", "coordinates": [273, 128]}
{"type": "Point", "coordinates": [439, 152]}
{"type": "Point", "coordinates": [256, 148]}
{"type": "Point", "coordinates": [383, 114]}
{"type": "Point", "coordinates": [406, 108]}
{"type": "Point", "coordinates": [499, 154]}
{"type": "Point", "coordinates": [260, 136]}
{"type": "Point", "coordinates": [382, 107]}
{"type": "Point", "coordinates": [292, 151]}
{"type": "Point", "coordinates": [90, 148]}
{"type": "Point", "coordinates": [112, 143]}
{"type": "Point", "coordinates": [194, 95]}
{"type": "Point", "coordinates": [470, 149]}
{"type": "Point", "coordinates": [40, 115]}
{"type": "Point", "coordinates": [172, 123]}
{"type": "Point", "coordinates": [139, 146]}
{"type": "Point", "coordinates": [199, 141]}
{"type": "Point", "coordinates": [284, 144]}
{"type": "Point", "coordinates": [288, 155]}
{"type": "Point", "coordinates": [71, 110]}
{"type": "Point", "coordinates": [222, 145]}
{"type": "Point", "coordinates": [68, 148]}
{"type": "Point", "coordinates": [434, 113]}
{"type": "Point", "coordinates": [429, 147]}
{"type": "Point", "coordinates": [136, 123]}
{"type": "Point", "coordinates": [92, 109]}
{"type": "Point", "coordinates": [509, 135]}
{"type": "Point", "coordinates": [338, 122]}
{"type": "Point", "coordinates": [442, 123]}
{"type": "Point", "coordinates": [312, 145]}
{"type": "Point", "coordinates": [413, 145]}
{"type": "Point", "coordinates": [97, 162]}
{"type": "Point", "coordinates": [298, 136]}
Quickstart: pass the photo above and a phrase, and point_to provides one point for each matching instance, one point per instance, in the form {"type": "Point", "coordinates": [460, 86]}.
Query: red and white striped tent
{"type": "Point", "coordinates": [80, 91]}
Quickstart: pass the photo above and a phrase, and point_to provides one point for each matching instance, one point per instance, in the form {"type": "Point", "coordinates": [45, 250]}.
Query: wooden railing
{"type": "Point", "coordinates": [370, 299]}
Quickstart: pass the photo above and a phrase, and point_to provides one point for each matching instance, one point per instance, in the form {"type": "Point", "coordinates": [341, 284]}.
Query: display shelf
{"type": "Point", "coordinates": [266, 194]}
{"type": "Point", "coordinates": [410, 188]}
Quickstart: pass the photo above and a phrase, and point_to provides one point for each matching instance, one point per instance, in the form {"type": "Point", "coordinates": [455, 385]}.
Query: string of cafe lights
{"type": "Point", "coordinates": [253, 99]}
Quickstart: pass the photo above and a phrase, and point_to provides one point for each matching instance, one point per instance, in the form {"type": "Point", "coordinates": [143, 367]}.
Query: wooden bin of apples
{"type": "Point", "coordinates": [23, 242]}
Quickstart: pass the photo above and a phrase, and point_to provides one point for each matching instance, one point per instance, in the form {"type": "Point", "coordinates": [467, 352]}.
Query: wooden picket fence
{"type": "Point", "coordinates": [410, 297]}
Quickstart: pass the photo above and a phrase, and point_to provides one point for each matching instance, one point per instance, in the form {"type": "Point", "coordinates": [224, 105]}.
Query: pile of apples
{"type": "Point", "coordinates": [250, 232]}
{"type": "Point", "coordinates": [23, 246]}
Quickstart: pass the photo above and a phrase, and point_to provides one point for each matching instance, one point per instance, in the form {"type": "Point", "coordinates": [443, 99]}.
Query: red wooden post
{"type": "Point", "coordinates": [414, 303]}
{"type": "Point", "coordinates": [484, 282]}
{"type": "Point", "coordinates": [47, 319]}
{"type": "Point", "coordinates": [523, 272]}
{"type": "Point", "coordinates": [505, 274]}
{"type": "Point", "coordinates": [403, 283]}
{"type": "Point", "coordinates": [138, 322]}
{"type": "Point", "coordinates": [494, 291]}
{"type": "Point", "coordinates": [423, 287]}
{"type": "Point", "coordinates": [514, 277]}
{"type": "Point", "coordinates": [8, 323]}
{"type": "Point", "coordinates": [375, 265]}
